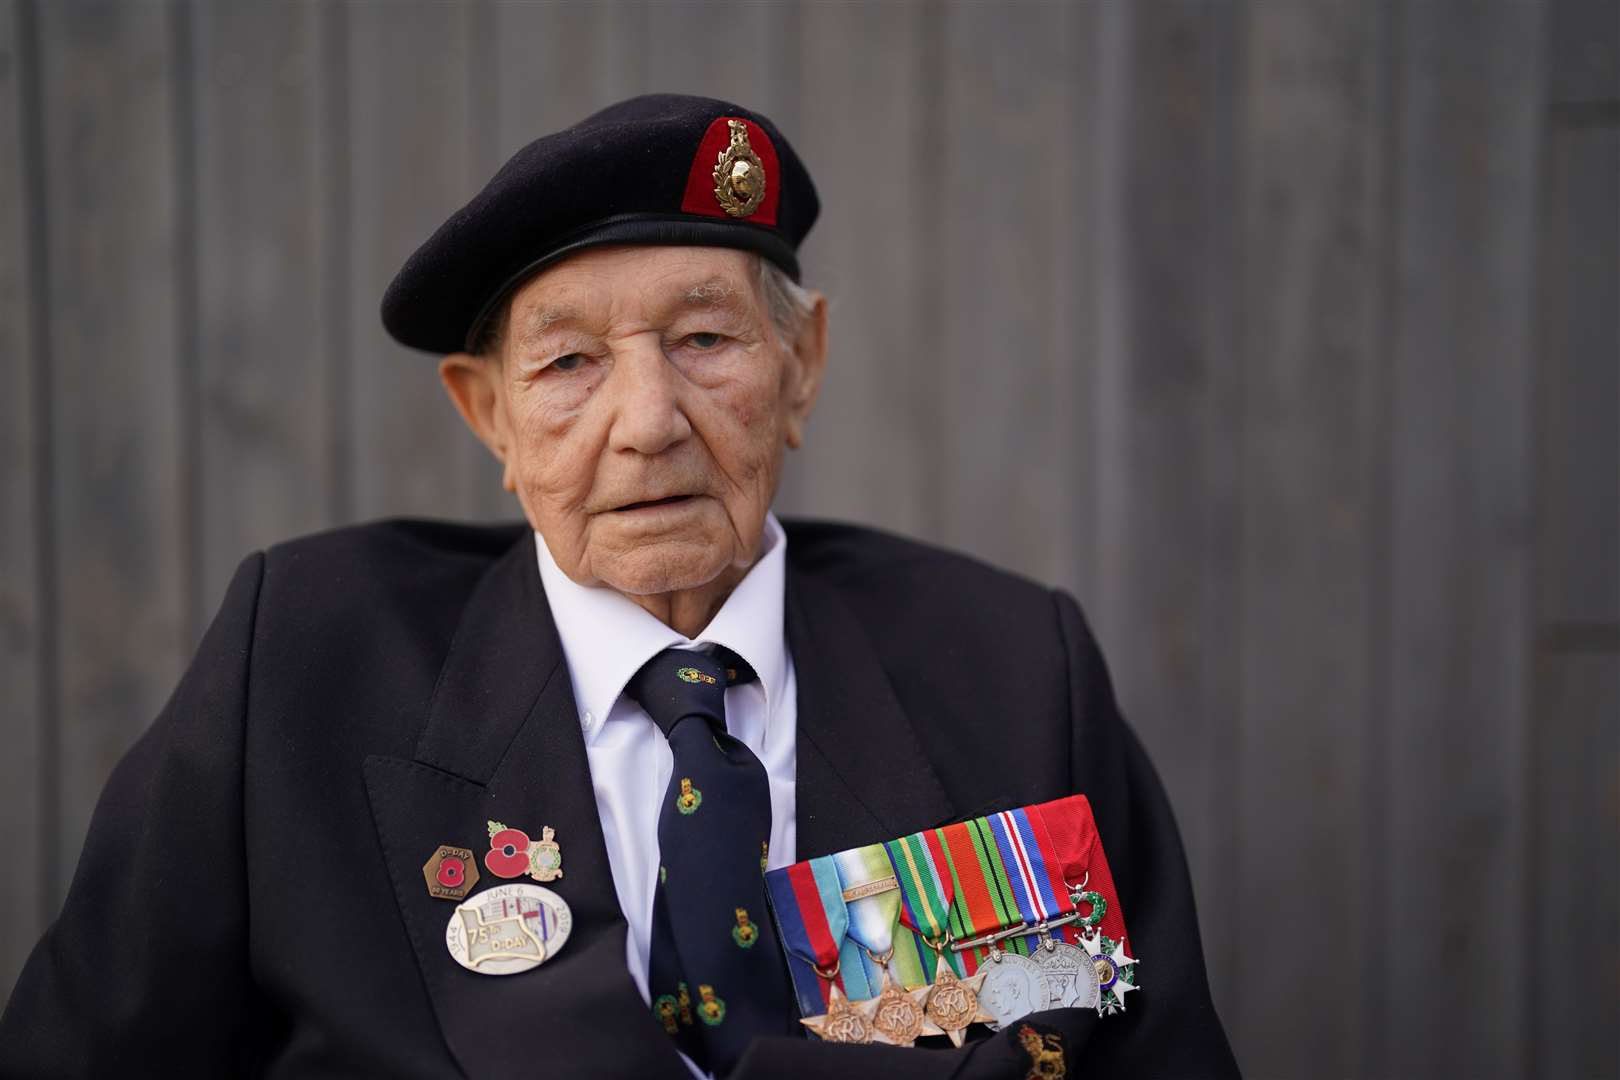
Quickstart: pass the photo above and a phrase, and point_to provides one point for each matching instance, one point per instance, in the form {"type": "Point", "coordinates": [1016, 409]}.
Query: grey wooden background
{"type": "Point", "coordinates": [1282, 332]}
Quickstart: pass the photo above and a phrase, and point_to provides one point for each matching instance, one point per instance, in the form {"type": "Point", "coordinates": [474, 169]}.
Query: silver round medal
{"type": "Point", "coordinates": [508, 929]}
{"type": "Point", "coordinates": [1071, 978]}
{"type": "Point", "coordinates": [1013, 987]}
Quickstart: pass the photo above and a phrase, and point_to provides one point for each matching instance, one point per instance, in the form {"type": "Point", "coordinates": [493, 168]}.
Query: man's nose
{"type": "Point", "coordinates": [648, 418]}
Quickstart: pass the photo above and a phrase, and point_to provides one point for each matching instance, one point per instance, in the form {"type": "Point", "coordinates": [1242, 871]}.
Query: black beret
{"type": "Point", "coordinates": [660, 169]}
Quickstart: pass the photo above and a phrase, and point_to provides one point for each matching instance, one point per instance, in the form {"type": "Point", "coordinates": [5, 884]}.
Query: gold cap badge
{"type": "Point", "coordinates": [739, 176]}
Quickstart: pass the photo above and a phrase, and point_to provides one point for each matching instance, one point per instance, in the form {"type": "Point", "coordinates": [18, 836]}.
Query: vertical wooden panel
{"type": "Point", "coordinates": [1579, 579]}
{"type": "Point", "coordinates": [1584, 45]}
{"type": "Point", "coordinates": [409, 146]}
{"type": "Point", "coordinates": [1576, 749]}
{"type": "Point", "coordinates": [1313, 378]}
{"type": "Point", "coordinates": [728, 49]}
{"type": "Point", "coordinates": [558, 63]}
{"type": "Point", "coordinates": [1014, 306]}
{"type": "Point", "coordinates": [23, 469]}
{"type": "Point", "coordinates": [263, 281]}
{"type": "Point", "coordinates": [868, 456]}
{"type": "Point", "coordinates": [1458, 644]}
{"type": "Point", "coordinates": [108, 75]}
{"type": "Point", "coordinates": [1165, 412]}
{"type": "Point", "coordinates": [1576, 872]}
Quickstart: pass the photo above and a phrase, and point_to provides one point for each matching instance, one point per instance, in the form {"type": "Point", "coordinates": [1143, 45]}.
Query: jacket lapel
{"type": "Point", "coordinates": [863, 776]}
{"type": "Point", "coordinates": [502, 742]}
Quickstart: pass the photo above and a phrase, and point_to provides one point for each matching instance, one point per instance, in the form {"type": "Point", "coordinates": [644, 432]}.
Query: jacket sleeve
{"type": "Point", "coordinates": [146, 967]}
{"type": "Point", "coordinates": [1169, 1030]}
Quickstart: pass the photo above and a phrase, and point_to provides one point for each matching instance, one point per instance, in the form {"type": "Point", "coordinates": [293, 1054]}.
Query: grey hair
{"type": "Point", "coordinates": [788, 303]}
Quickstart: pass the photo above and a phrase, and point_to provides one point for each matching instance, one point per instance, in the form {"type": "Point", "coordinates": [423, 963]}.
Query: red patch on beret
{"type": "Point", "coordinates": [700, 198]}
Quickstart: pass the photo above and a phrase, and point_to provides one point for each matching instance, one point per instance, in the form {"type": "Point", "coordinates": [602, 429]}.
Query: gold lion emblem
{"type": "Point", "coordinates": [1045, 1054]}
{"type": "Point", "coordinates": [739, 176]}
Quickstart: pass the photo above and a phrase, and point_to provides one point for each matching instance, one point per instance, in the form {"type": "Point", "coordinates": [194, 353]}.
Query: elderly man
{"type": "Point", "coordinates": [643, 697]}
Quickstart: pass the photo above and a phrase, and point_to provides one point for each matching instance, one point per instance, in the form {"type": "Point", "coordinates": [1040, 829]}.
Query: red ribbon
{"type": "Point", "coordinates": [1073, 843]}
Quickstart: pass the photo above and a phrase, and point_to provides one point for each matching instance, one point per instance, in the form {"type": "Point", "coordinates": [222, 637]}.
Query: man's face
{"type": "Point", "coordinates": [641, 402]}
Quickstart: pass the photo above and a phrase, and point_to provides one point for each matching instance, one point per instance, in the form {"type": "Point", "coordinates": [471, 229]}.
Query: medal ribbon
{"type": "Point", "coordinates": [873, 920]}
{"type": "Point", "coordinates": [808, 900]}
{"type": "Point", "coordinates": [1077, 851]}
{"type": "Point", "coordinates": [1025, 871]}
{"type": "Point", "coordinates": [1004, 881]}
{"type": "Point", "coordinates": [980, 907]}
{"type": "Point", "coordinates": [925, 896]}
{"type": "Point", "coordinates": [1037, 858]}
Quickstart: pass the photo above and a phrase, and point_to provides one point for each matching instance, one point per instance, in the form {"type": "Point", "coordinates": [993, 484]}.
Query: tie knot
{"type": "Point", "coordinates": [678, 683]}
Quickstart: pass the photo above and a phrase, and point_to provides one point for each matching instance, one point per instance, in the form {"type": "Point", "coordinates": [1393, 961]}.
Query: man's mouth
{"type": "Point", "coordinates": [669, 501]}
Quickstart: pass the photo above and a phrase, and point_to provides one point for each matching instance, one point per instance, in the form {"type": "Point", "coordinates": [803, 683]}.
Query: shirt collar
{"type": "Point", "coordinates": [606, 636]}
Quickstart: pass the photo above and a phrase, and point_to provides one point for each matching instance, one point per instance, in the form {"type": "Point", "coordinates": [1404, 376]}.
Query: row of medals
{"type": "Point", "coordinates": [1006, 987]}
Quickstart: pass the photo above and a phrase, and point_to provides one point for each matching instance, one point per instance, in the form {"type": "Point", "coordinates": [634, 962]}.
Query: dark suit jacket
{"type": "Point", "coordinates": [250, 898]}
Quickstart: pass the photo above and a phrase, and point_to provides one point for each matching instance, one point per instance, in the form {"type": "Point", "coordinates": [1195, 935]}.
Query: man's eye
{"type": "Point", "coordinates": [704, 340]}
{"type": "Point", "coordinates": [569, 362]}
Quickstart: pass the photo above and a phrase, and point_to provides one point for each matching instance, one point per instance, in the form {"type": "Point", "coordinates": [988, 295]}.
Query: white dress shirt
{"type": "Point", "coordinates": [606, 638]}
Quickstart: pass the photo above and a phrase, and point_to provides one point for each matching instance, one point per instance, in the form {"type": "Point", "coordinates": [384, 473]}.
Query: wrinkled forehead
{"type": "Point", "coordinates": [605, 284]}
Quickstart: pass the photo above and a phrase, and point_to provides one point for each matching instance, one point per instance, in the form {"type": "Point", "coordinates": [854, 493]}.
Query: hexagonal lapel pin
{"type": "Point", "coordinates": [451, 873]}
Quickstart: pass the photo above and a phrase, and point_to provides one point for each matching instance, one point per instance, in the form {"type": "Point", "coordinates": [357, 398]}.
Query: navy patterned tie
{"type": "Point", "coordinates": [716, 973]}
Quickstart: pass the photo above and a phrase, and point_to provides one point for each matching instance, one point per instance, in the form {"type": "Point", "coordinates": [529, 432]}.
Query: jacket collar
{"type": "Point", "coordinates": [502, 742]}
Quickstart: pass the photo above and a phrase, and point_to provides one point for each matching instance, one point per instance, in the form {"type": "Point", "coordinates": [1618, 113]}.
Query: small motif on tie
{"type": "Point", "coordinates": [694, 676]}
{"type": "Point", "coordinates": [764, 855]}
{"type": "Point", "coordinates": [664, 1008]}
{"type": "Point", "coordinates": [690, 797]}
{"type": "Point", "coordinates": [686, 1004]}
{"type": "Point", "coordinates": [663, 874]}
{"type": "Point", "coordinates": [711, 1009]}
{"type": "Point", "coordinates": [744, 933]}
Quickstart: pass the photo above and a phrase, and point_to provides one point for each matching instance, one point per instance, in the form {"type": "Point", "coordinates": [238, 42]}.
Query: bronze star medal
{"type": "Point", "coordinates": [897, 1014]}
{"type": "Point", "coordinates": [953, 1004]}
{"type": "Point", "coordinates": [843, 1022]}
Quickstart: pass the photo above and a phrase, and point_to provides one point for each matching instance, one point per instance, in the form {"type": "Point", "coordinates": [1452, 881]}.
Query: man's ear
{"type": "Point", "coordinates": [810, 365]}
{"type": "Point", "coordinates": [471, 383]}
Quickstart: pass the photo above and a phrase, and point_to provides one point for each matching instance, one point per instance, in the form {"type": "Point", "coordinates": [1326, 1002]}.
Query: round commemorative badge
{"type": "Point", "coordinates": [508, 929]}
{"type": "Point", "coordinates": [1014, 986]}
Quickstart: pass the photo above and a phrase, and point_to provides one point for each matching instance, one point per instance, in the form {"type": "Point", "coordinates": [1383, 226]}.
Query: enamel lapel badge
{"type": "Point", "coordinates": [512, 854]}
{"type": "Point", "coordinates": [508, 929]}
{"type": "Point", "coordinates": [451, 873]}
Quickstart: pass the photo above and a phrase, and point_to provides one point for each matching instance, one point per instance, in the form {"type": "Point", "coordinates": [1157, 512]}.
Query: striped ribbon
{"type": "Point", "coordinates": [1045, 867]}
{"type": "Point", "coordinates": [980, 906]}
{"type": "Point", "coordinates": [1025, 867]}
{"type": "Point", "coordinates": [926, 895]}
{"type": "Point", "coordinates": [808, 900]}
{"type": "Point", "coordinates": [873, 922]}
{"type": "Point", "coordinates": [1003, 881]}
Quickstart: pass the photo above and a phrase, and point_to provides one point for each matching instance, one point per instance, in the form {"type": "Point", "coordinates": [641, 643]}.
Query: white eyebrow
{"type": "Point", "coordinates": [711, 293]}
{"type": "Point", "coordinates": [541, 321]}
